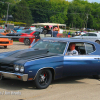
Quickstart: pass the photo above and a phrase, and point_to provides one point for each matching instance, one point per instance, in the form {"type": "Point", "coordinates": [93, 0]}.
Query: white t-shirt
{"type": "Point", "coordinates": [73, 52]}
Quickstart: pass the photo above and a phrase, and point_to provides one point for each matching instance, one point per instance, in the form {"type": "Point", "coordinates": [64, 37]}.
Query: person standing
{"type": "Point", "coordinates": [37, 37]}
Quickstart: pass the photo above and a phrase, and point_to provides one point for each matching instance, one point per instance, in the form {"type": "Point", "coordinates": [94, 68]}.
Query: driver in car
{"type": "Point", "coordinates": [72, 50]}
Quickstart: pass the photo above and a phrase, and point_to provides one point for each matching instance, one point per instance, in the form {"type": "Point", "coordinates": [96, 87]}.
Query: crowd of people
{"type": "Point", "coordinates": [54, 31]}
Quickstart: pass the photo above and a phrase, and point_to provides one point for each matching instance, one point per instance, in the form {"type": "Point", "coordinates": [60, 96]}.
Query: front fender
{"type": "Point", "coordinates": [55, 63]}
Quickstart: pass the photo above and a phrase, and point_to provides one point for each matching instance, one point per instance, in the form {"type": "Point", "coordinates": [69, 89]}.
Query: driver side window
{"type": "Point", "coordinates": [79, 49]}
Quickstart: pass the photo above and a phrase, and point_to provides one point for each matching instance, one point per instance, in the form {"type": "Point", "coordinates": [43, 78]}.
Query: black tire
{"type": "Point", "coordinates": [97, 41]}
{"type": "Point", "coordinates": [1, 77]}
{"type": "Point", "coordinates": [96, 76]}
{"type": "Point", "coordinates": [5, 47]}
{"type": "Point", "coordinates": [43, 79]}
{"type": "Point", "coordinates": [26, 41]}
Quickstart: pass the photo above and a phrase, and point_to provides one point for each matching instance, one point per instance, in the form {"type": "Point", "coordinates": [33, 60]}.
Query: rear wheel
{"type": "Point", "coordinates": [5, 47]}
{"type": "Point", "coordinates": [96, 76]}
{"type": "Point", "coordinates": [43, 79]}
{"type": "Point", "coordinates": [26, 41]}
{"type": "Point", "coordinates": [1, 77]}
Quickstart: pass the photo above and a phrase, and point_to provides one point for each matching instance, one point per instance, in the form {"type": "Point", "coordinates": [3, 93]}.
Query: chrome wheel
{"type": "Point", "coordinates": [43, 79]}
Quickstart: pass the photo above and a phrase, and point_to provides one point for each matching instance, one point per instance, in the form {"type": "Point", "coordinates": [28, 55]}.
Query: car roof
{"type": "Point", "coordinates": [94, 33]}
{"type": "Point", "coordinates": [66, 39]}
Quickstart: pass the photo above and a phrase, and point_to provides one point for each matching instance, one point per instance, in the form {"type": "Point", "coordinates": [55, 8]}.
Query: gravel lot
{"type": "Point", "coordinates": [71, 88]}
{"type": "Point", "coordinates": [15, 46]}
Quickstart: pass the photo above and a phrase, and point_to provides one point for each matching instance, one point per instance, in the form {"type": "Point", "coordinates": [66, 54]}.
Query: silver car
{"type": "Point", "coordinates": [91, 36]}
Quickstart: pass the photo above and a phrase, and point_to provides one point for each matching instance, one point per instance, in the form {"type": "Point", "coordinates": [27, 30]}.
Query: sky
{"type": "Point", "coordinates": [98, 1]}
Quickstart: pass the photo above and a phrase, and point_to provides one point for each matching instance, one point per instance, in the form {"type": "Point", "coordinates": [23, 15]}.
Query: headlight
{"type": "Point", "coordinates": [21, 69]}
{"type": "Point", "coordinates": [16, 67]}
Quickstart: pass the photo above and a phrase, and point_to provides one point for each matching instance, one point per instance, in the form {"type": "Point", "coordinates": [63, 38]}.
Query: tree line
{"type": "Point", "coordinates": [75, 14]}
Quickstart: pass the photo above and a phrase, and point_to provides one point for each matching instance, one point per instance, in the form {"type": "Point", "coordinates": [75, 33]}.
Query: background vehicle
{"type": "Point", "coordinates": [17, 29]}
{"type": "Point", "coordinates": [91, 36]}
{"type": "Point", "coordinates": [5, 32]}
{"type": "Point", "coordinates": [4, 41]}
{"type": "Point", "coordinates": [27, 38]}
{"type": "Point", "coordinates": [17, 34]}
{"type": "Point", "coordinates": [78, 33]}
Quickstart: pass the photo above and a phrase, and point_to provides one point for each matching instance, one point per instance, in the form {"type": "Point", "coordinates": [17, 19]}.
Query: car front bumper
{"type": "Point", "coordinates": [18, 76]}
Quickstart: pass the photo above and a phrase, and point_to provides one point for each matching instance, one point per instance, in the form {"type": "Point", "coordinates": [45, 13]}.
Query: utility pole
{"type": "Point", "coordinates": [87, 20]}
{"type": "Point", "coordinates": [7, 12]}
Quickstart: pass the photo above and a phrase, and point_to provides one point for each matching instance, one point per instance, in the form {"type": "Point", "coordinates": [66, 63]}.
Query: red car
{"type": "Point", "coordinates": [27, 38]}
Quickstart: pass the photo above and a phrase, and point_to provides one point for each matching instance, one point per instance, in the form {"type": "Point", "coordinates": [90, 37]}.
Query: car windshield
{"type": "Point", "coordinates": [51, 45]}
{"type": "Point", "coordinates": [29, 31]}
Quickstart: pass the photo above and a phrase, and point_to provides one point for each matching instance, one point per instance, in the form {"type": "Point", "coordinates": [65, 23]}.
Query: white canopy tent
{"type": "Point", "coordinates": [53, 24]}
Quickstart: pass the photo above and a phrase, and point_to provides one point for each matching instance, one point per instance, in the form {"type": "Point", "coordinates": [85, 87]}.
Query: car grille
{"type": "Point", "coordinates": [6, 67]}
{"type": "Point", "coordinates": [4, 42]}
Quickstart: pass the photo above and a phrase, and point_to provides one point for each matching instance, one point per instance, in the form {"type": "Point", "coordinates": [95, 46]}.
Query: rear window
{"type": "Point", "coordinates": [91, 34]}
{"type": "Point", "coordinates": [89, 48]}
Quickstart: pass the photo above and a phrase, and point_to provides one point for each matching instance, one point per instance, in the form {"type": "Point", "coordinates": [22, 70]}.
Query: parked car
{"type": "Point", "coordinates": [17, 29]}
{"type": "Point", "coordinates": [91, 36]}
{"type": "Point", "coordinates": [47, 60]}
{"type": "Point", "coordinates": [5, 41]}
{"type": "Point", "coordinates": [78, 33]}
{"type": "Point", "coordinates": [5, 32]}
{"type": "Point", "coordinates": [27, 38]}
{"type": "Point", "coordinates": [17, 34]}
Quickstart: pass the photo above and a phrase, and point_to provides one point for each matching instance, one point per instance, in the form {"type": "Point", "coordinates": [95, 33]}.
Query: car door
{"type": "Point", "coordinates": [82, 64]}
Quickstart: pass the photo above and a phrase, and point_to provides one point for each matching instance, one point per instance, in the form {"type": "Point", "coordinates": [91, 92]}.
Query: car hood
{"type": "Point", "coordinates": [23, 56]}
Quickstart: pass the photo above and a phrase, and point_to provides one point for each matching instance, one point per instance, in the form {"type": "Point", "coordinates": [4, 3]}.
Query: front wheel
{"type": "Point", "coordinates": [5, 47]}
{"type": "Point", "coordinates": [43, 79]}
{"type": "Point", "coordinates": [96, 76]}
{"type": "Point", "coordinates": [27, 42]}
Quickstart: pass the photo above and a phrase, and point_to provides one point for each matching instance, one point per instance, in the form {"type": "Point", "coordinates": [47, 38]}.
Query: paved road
{"type": "Point", "coordinates": [71, 88]}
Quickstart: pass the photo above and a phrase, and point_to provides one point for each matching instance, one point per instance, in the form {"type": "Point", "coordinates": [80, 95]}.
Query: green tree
{"type": "Point", "coordinates": [94, 19]}
{"type": "Point", "coordinates": [22, 13]}
{"type": "Point", "coordinates": [3, 9]}
{"type": "Point", "coordinates": [49, 10]}
{"type": "Point", "coordinates": [78, 13]}
{"type": "Point", "coordinates": [59, 8]}
{"type": "Point", "coordinates": [11, 1]}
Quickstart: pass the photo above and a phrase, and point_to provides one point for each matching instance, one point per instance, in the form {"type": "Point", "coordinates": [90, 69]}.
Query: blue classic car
{"type": "Point", "coordinates": [47, 60]}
